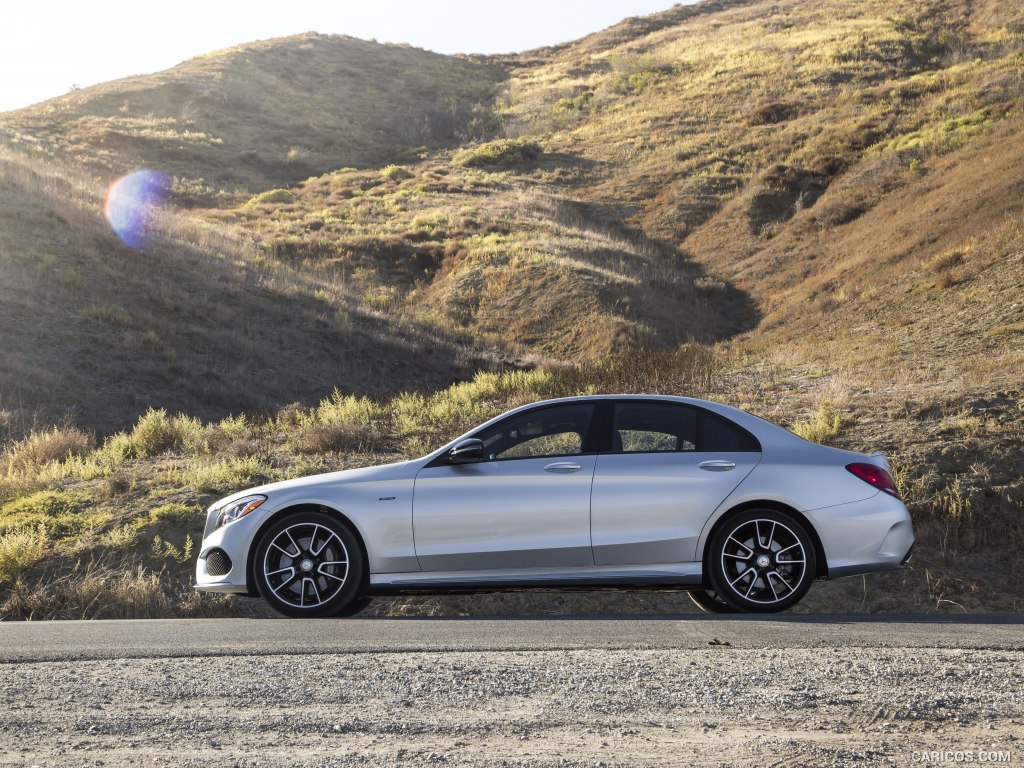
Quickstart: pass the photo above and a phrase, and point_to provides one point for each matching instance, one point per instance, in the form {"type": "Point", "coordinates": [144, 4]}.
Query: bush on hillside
{"type": "Point", "coordinates": [272, 196]}
{"type": "Point", "coordinates": [157, 433]}
{"type": "Point", "coordinates": [396, 172]}
{"type": "Point", "coordinates": [42, 447]}
{"type": "Point", "coordinates": [503, 153]}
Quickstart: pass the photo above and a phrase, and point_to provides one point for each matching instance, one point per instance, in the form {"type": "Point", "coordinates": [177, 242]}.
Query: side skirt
{"type": "Point", "coordinates": [674, 576]}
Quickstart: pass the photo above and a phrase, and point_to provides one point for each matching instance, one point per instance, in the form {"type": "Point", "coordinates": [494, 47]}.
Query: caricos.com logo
{"type": "Point", "coordinates": [954, 756]}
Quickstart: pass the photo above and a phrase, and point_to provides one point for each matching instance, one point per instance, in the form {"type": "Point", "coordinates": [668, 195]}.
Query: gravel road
{"type": "Point", "coordinates": [718, 705]}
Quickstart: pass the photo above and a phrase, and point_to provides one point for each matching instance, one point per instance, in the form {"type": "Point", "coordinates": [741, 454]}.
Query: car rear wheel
{"type": "Point", "coordinates": [709, 601]}
{"type": "Point", "coordinates": [761, 561]}
{"type": "Point", "coordinates": [307, 565]}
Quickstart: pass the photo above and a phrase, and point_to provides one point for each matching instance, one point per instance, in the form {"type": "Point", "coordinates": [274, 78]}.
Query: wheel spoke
{"type": "Point", "coordinates": [286, 583]}
{"type": "Point", "coordinates": [753, 582]}
{"type": "Point", "coordinates": [749, 570]}
{"type": "Point", "coordinates": [771, 535]}
{"type": "Point", "coordinates": [278, 547]}
{"type": "Point", "coordinates": [316, 552]}
{"type": "Point", "coordinates": [312, 541]}
{"type": "Point", "coordinates": [316, 592]}
{"type": "Point", "coordinates": [744, 546]}
{"type": "Point", "coordinates": [780, 577]}
{"type": "Point", "coordinates": [298, 549]}
{"type": "Point", "coordinates": [280, 570]}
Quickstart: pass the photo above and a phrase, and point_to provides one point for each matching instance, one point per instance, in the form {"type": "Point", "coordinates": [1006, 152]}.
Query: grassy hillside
{"type": "Point", "coordinates": [95, 332]}
{"type": "Point", "coordinates": [261, 114]}
{"type": "Point", "coordinates": [813, 212]}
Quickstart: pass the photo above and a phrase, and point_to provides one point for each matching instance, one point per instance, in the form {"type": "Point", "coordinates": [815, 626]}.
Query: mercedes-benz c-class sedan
{"type": "Point", "coordinates": [603, 492]}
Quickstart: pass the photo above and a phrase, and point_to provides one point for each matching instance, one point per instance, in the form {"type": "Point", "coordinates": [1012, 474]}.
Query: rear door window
{"type": "Point", "coordinates": [655, 427]}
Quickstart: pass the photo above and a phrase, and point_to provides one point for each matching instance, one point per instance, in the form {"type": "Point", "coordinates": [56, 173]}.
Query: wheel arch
{"type": "Point", "coordinates": [821, 568]}
{"type": "Point", "coordinates": [250, 578]}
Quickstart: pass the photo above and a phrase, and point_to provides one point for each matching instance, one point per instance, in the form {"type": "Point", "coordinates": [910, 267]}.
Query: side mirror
{"type": "Point", "coordinates": [467, 451]}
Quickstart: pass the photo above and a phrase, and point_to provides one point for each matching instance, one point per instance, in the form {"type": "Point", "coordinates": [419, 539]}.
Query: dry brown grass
{"type": "Point", "coordinates": [44, 446]}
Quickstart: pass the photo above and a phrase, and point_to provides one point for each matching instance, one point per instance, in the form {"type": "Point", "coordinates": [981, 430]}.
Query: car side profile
{"type": "Point", "coordinates": [600, 492]}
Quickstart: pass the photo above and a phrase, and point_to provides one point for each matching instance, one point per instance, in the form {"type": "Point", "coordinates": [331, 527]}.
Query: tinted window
{"type": "Point", "coordinates": [720, 434]}
{"type": "Point", "coordinates": [556, 431]}
{"type": "Point", "coordinates": [646, 427]}
{"type": "Point", "coordinates": [654, 427]}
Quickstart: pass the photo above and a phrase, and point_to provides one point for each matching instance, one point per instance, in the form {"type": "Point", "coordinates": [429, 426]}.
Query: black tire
{"type": "Point", "coordinates": [355, 605]}
{"type": "Point", "coordinates": [307, 565]}
{"type": "Point", "coordinates": [761, 561]}
{"type": "Point", "coordinates": [709, 601]}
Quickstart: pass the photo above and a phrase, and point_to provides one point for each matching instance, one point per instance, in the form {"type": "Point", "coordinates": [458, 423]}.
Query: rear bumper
{"type": "Point", "coordinates": [867, 536]}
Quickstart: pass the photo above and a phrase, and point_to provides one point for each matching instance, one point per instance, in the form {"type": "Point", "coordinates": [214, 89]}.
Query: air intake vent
{"type": "Point", "coordinates": [218, 563]}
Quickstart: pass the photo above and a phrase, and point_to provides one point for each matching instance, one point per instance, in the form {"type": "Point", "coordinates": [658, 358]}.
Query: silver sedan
{"type": "Point", "coordinates": [605, 492]}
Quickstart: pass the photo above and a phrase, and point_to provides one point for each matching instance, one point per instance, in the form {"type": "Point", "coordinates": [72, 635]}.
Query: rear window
{"type": "Point", "coordinates": [654, 427]}
{"type": "Point", "coordinates": [720, 434]}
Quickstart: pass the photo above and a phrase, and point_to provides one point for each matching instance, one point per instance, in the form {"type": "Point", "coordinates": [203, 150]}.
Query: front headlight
{"type": "Point", "coordinates": [238, 508]}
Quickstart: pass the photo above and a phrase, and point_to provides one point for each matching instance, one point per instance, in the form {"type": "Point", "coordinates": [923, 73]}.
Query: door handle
{"type": "Point", "coordinates": [562, 467]}
{"type": "Point", "coordinates": [717, 465]}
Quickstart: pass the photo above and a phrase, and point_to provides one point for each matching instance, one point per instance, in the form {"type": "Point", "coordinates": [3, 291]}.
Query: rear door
{"type": "Point", "coordinates": [665, 469]}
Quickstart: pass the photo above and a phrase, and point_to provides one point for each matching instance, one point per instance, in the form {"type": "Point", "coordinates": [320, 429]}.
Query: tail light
{"type": "Point", "coordinates": [876, 476]}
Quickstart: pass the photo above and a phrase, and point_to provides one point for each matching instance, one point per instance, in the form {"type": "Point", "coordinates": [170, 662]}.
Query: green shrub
{"type": "Point", "coordinates": [341, 423]}
{"type": "Point", "coordinates": [157, 433]}
{"type": "Point", "coordinates": [177, 514]}
{"type": "Point", "coordinates": [505, 153]}
{"type": "Point", "coordinates": [162, 548]}
{"type": "Point", "coordinates": [20, 549]}
{"type": "Point", "coordinates": [225, 476]}
{"type": "Point", "coordinates": [271, 197]}
{"type": "Point", "coordinates": [62, 513]}
{"type": "Point", "coordinates": [824, 424]}
{"type": "Point", "coordinates": [396, 172]}
{"type": "Point", "coordinates": [945, 135]}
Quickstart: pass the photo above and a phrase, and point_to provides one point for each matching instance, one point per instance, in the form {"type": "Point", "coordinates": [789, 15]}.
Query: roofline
{"type": "Point", "coordinates": [760, 428]}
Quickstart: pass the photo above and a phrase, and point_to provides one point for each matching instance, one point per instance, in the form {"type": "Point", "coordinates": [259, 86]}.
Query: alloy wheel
{"type": "Point", "coordinates": [764, 561]}
{"type": "Point", "coordinates": [306, 565]}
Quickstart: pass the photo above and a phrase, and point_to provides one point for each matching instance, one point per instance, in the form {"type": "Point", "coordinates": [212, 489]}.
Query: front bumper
{"type": "Point", "coordinates": [866, 536]}
{"type": "Point", "coordinates": [227, 550]}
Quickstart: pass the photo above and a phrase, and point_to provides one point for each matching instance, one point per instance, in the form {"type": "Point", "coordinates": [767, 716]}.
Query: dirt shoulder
{"type": "Point", "coordinates": [716, 706]}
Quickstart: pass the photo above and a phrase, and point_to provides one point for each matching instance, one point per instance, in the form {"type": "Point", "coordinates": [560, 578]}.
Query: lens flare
{"type": "Point", "coordinates": [132, 204]}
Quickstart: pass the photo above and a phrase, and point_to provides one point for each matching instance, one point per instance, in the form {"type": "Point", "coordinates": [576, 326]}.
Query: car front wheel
{"type": "Point", "coordinates": [761, 561]}
{"type": "Point", "coordinates": [308, 565]}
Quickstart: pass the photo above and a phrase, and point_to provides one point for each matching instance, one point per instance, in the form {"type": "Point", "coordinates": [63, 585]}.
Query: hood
{"type": "Point", "coordinates": [393, 471]}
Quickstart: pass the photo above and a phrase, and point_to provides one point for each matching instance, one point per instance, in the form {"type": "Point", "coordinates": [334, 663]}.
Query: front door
{"type": "Point", "coordinates": [526, 505]}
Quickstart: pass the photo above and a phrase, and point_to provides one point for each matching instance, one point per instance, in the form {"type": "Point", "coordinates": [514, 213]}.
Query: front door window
{"type": "Point", "coordinates": [555, 431]}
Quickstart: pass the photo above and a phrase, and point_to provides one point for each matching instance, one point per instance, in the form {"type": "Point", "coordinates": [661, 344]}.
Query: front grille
{"type": "Point", "coordinates": [218, 563]}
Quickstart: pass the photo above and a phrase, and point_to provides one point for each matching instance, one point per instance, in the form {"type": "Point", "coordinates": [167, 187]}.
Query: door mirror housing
{"type": "Point", "coordinates": [466, 451]}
